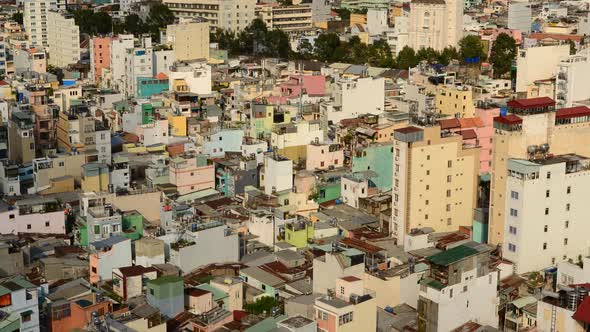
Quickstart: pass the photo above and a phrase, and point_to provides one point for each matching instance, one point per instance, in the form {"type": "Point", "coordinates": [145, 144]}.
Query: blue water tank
{"type": "Point", "coordinates": [503, 110]}
{"type": "Point", "coordinates": [389, 309]}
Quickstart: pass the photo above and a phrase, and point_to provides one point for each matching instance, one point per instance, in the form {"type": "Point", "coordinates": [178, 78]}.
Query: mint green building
{"type": "Point", "coordinates": [377, 157]}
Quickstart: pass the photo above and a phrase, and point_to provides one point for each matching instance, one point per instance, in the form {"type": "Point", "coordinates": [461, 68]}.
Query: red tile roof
{"type": "Point", "coordinates": [531, 102]}
{"type": "Point", "coordinates": [572, 112]}
{"type": "Point", "coordinates": [449, 123]}
{"type": "Point", "coordinates": [468, 134]}
{"type": "Point", "coordinates": [509, 119]}
{"type": "Point", "coordinates": [350, 278]}
{"type": "Point", "coordinates": [3, 83]}
{"type": "Point", "coordinates": [583, 312]}
{"type": "Point", "coordinates": [407, 130]}
{"type": "Point", "coordinates": [474, 122]}
{"type": "Point", "coordinates": [361, 245]}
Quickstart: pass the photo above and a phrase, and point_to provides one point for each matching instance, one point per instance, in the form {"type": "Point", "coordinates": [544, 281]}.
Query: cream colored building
{"type": "Point", "coordinates": [231, 15]}
{"type": "Point", "coordinates": [294, 18]}
{"type": "Point", "coordinates": [190, 40]}
{"type": "Point", "coordinates": [63, 39]}
{"type": "Point", "coordinates": [435, 23]}
{"type": "Point", "coordinates": [538, 63]}
{"type": "Point", "coordinates": [533, 122]}
{"type": "Point", "coordinates": [456, 101]}
{"type": "Point", "coordinates": [435, 180]}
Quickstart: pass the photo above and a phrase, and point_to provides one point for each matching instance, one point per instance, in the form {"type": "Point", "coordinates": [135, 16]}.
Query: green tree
{"type": "Point", "coordinates": [471, 47]}
{"type": "Point", "coordinates": [502, 54]}
{"type": "Point", "coordinates": [358, 52]}
{"type": "Point", "coordinates": [380, 54]}
{"type": "Point", "coordinates": [277, 44]}
{"type": "Point", "coordinates": [428, 54]}
{"type": "Point", "coordinates": [263, 304]}
{"type": "Point", "coordinates": [343, 13]}
{"type": "Point", "coordinates": [326, 46]}
{"type": "Point", "coordinates": [17, 17]}
{"type": "Point", "coordinates": [306, 49]}
{"type": "Point", "coordinates": [448, 53]}
{"type": "Point", "coordinates": [406, 58]}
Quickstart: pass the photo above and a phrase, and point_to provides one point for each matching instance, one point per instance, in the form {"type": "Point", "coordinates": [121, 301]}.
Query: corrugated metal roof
{"type": "Point", "coordinates": [453, 255]}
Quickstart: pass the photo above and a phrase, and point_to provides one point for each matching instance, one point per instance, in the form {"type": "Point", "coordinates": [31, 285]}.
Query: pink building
{"type": "Point", "coordinates": [198, 300]}
{"type": "Point", "coordinates": [478, 131]}
{"type": "Point", "coordinates": [323, 156]}
{"type": "Point", "coordinates": [36, 218]}
{"type": "Point", "coordinates": [312, 86]}
{"type": "Point", "coordinates": [101, 55]}
{"type": "Point", "coordinates": [190, 173]}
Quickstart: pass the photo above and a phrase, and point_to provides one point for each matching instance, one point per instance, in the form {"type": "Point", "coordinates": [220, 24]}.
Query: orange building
{"type": "Point", "coordinates": [101, 55]}
{"type": "Point", "coordinates": [71, 315]}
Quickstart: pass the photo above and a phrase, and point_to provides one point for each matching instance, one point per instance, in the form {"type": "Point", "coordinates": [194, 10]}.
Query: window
{"type": "Point", "coordinates": [544, 245]}
{"type": "Point", "coordinates": [426, 202]}
{"type": "Point", "coordinates": [546, 228]}
{"type": "Point", "coordinates": [427, 187]}
{"type": "Point", "coordinates": [451, 293]}
{"type": "Point", "coordinates": [547, 194]}
{"type": "Point", "coordinates": [567, 207]}
{"type": "Point", "coordinates": [514, 194]}
{"type": "Point", "coordinates": [428, 157]}
{"type": "Point", "coordinates": [565, 241]}
{"type": "Point", "coordinates": [426, 216]}
{"type": "Point", "coordinates": [47, 224]}
{"type": "Point", "coordinates": [94, 269]}
{"type": "Point", "coordinates": [511, 247]}
{"type": "Point", "coordinates": [263, 287]}
{"type": "Point", "coordinates": [448, 207]}
{"type": "Point", "coordinates": [450, 163]}
{"type": "Point", "coordinates": [322, 164]}
{"type": "Point", "coordinates": [428, 172]}
{"type": "Point", "coordinates": [345, 319]}
{"type": "Point", "coordinates": [546, 211]}
{"type": "Point", "coordinates": [151, 291]}
{"type": "Point", "coordinates": [11, 216]}
{"type": "Point", "coordinates": [512, 230]}
{"type": "Point", "coordinates": [448, 192]}
{"type": "Point", "coordinates": [341, 290]}
{"type": "Point", "coordinates": [465, 288]}
{"type": "Point", "coordinates": [569, 190]}
{"type": "Point", "coordinates": [449, 221]}
{"type": "Point", "coordinates": [28, 226]}
{"type": "Point", "coordinates": [567, 224]}
{"type": "Point", "coordinates": [449, 178]}
{"type": "Point", "coordinates": [549, 175]}
{"type": "Point", "coordinates": [490, 278]}
{"type": "Point", "coordinates": [514, 212]}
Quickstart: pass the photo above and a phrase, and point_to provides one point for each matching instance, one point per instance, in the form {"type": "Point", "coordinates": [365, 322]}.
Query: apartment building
{"type": "Point", "coordinates": [138, 64]}
{"type": "Point", "coordinates": [347, 307]}
{"type": "Point", "coordinates": [21, 297]}
{"type": "Point", "coordinates": [106, 255]}
{"type": "Point", "coordinates": [118, 53]}
{"type": "Point", "coordinates": [520, 16]}
{"type": "Point", "coordinates": [191, 76]}
{"type": "Point", "coordinates": [278, 173]}
{"type": "Point", "coordinates": [353, 97]}
{"type": "Point", "coordinates": [336, 263]}
{"type": "Point", "coordinates": [461, 286]}
{"type": "Point", "coordinates": [571, 83]}
{"type": "Point", "coordinates": [435, 23]}
{"type": "Point", "coordinates": [435, 180]}
{"type": "Point", "coordinates": [229, 15]}
{"type": "Point", "coordinates": [190, 173]}
{"type": "Point", "coordinates": [100, 56]}
{"type": "Point", "coordinates": [21, 140]}
{"type": "Point", "coordinates": [189, 40]}
{"type": "Point", "coordinates": [455, 101]}
{"type": "Point", "coordinates": [63, 39]}
{"type": "Point", "coordinates": [97, 220]}
{"type": "Point", "coordinates": [532, 122]}
{"type": "Point", "coordinates": [546, 210]}
{"type": "Point", "coordinates": [79, 131]}
{"type": "Point", "coordinates": [291, 19]}
{"type": "Point", "coordinates": [35, 19]}
{"type": "Point", "coordinates": [538, 63]}
{"type": "Point", "coordinates": [40, 217]}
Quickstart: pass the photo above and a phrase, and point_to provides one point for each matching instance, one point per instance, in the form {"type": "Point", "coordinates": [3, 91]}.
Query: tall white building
{"type": "Point", "coordinates": [538, 63]}
{"type": "Point", "coordinates": [435, 23]}
{"type": "Point", "coordinates": [63, 39]}
{"type": "Point", "coordinates": [233, 15]}
{"type": "Point", "coordinates": [460, 287]}
{"type": "Point", "coordinates": [520, 16]}
{"type": "Point", "coordinates": [547, 210]}
{"type": "Point", "coordinates": [191, 76]}
{"type": "Point", "coordinates": [119, 47]}
{"type": "Point", "coordinates": [35, 18]}
{"type": "Point", "coordinates": [572, 80]}
{"type": "Point", "coordinates": [138, 64]}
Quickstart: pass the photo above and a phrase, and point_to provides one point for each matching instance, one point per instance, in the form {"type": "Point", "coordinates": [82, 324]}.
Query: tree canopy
{"type": "Point", "coordinates": [502, 54]}
{"type": "Point", "coordinates": [471, 47]}
{"type": "Point", "coordinates": [93, 23]}
{"type": "Point", "coordinates": [256, 39]}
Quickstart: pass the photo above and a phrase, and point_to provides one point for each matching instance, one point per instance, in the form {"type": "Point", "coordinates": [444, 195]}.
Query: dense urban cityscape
{"type": "Point", "coordinates": [294, 165]}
